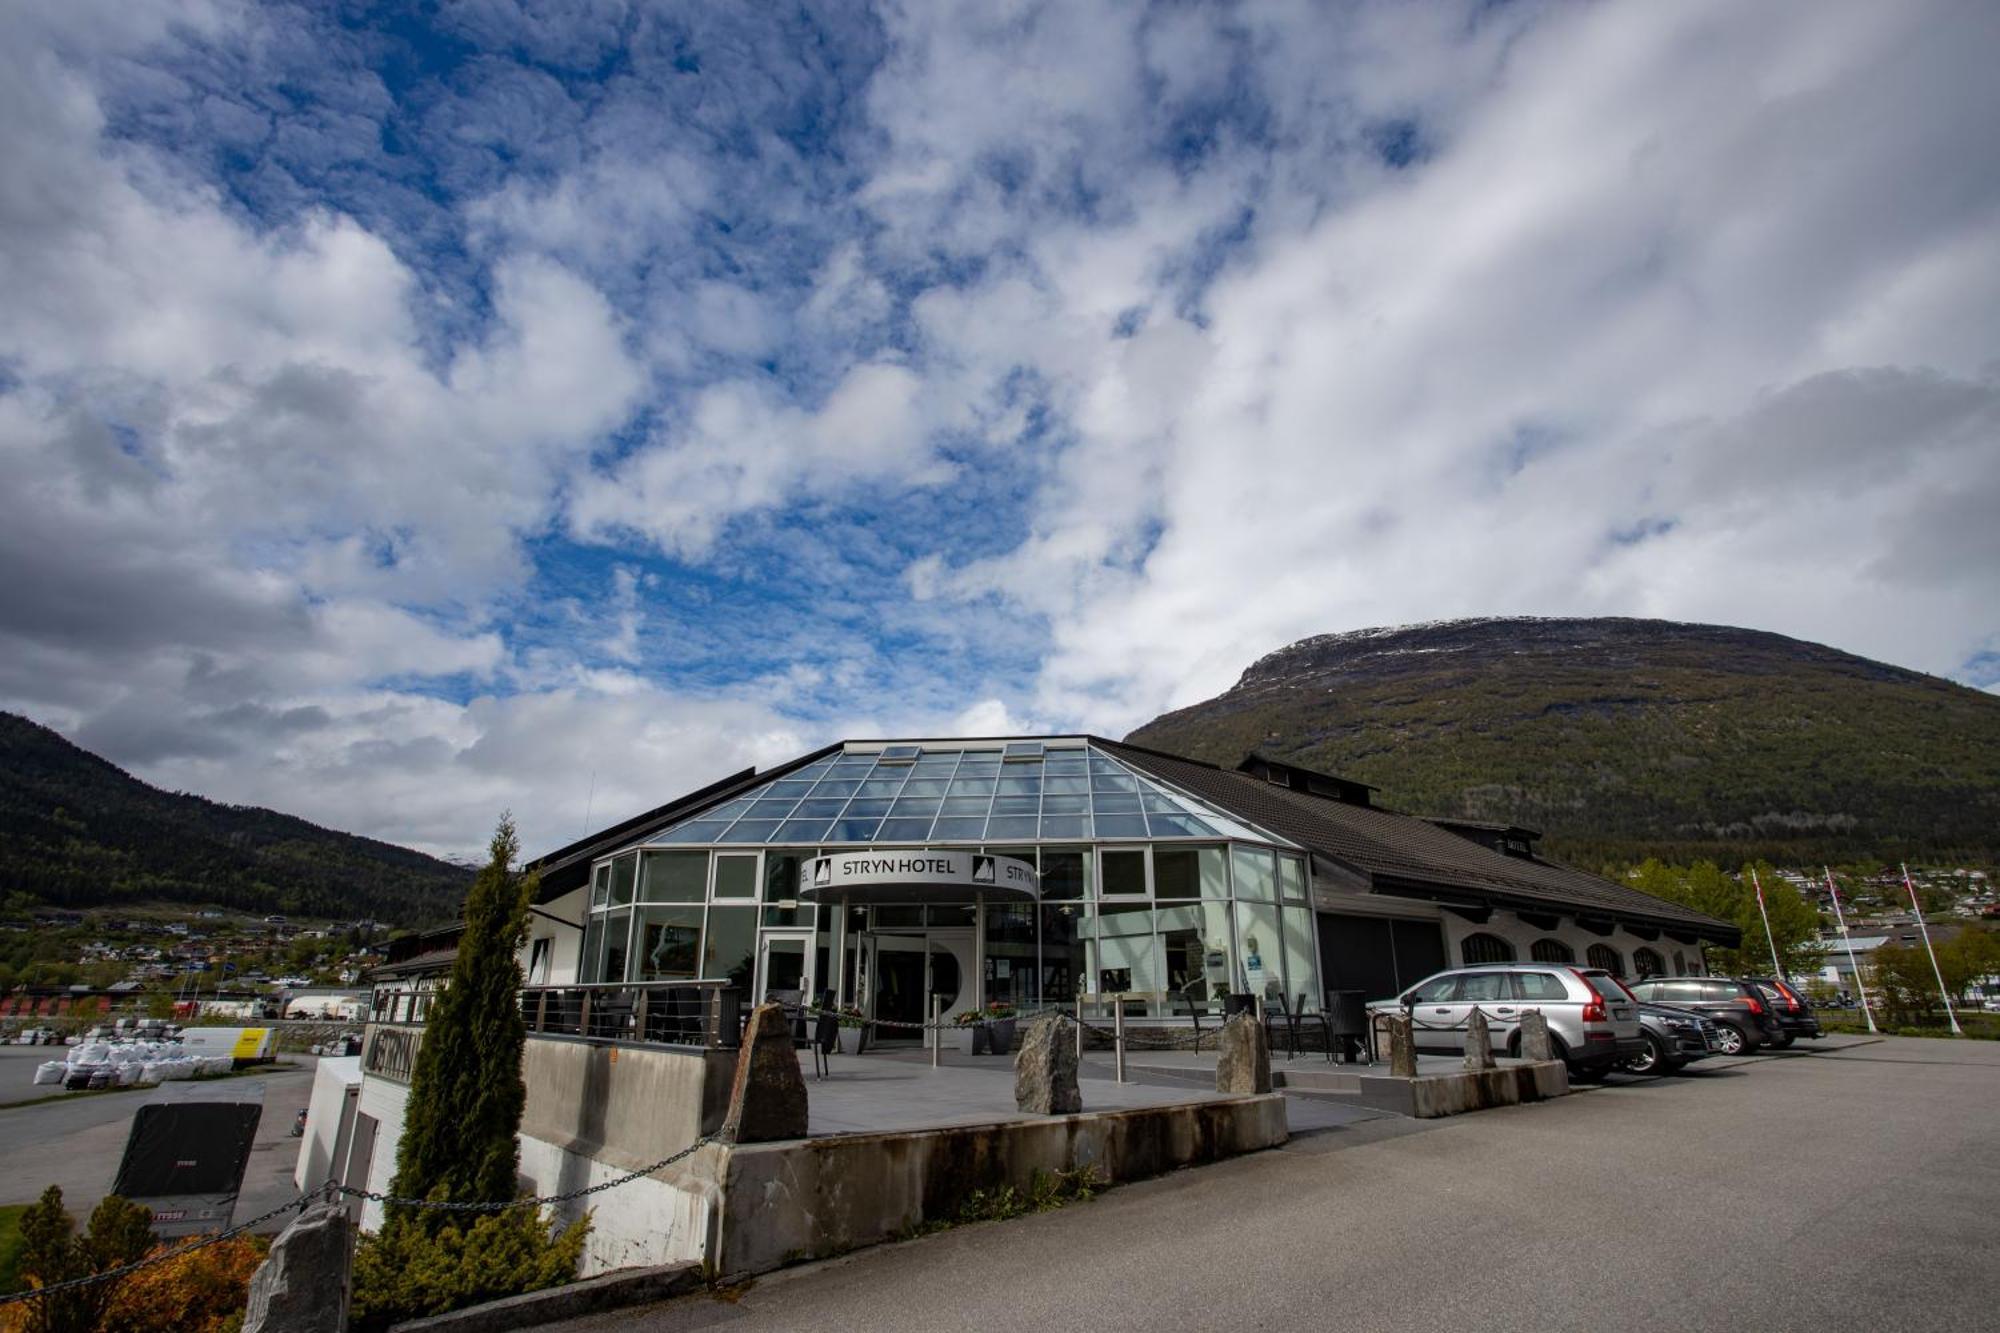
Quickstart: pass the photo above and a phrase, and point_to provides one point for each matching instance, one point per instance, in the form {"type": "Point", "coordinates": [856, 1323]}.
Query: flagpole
{"type": "Point", "coordinates": [1936, 971]}
{"type": "Point", "coordinates": [1860, 987]}
{"type": "Point", "coordinates": [1776, 966]}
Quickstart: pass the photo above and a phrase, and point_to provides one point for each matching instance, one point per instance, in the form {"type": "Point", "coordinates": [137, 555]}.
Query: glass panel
{"type": "Point", "coordinates": [1194, 944]}
{"type": "Point", "coordinates": [1064, 956]}
{"type": "Point", "coordinates": [901, 751]}
{"type": "Point", "coordinates": [674, 877]}
{"type": "Point", "coordinates": [852, 766]}
{"type": "Point", "coordinates": [1012, 826]}
{"type": "Point", "coordinates": [1009, 966]}
{"type": "Point", "coordinates": [904, 830]}
{"type": "Point", "coordinates": [867, 807]}
{"type": "Point", "coordinates": [1065, 875]}
{"type": "Point", "coordinates": [1178, 826]}
{"type": "Point", "coordinates": [911, 806]}
{"type": "Point", "coordinates": [669, 943]}
{"type": "Point", "coordinates": [1024, 748]}
{"type": "Point", "coordinates": [1261, 951]}
{"type": "Point", "coordinates": [1121, 826]}
{"type": "Point", "coordinates": [781, 884]}
{"type": "Point", "coordinates": [1158, 803]}
{"type": "Point", "coordinates": [978, 762]}
{"type": "Point", "coordinates": [771, 809]}
{"type": "Point", "coordinates": [1064, 761]}
{"type": "Point", "coordinates": [1301, 958]}
{"type": "Point", "coordinates": [925, 787]}
{"type": "Point", "coordinates": [593, 940]}
{"type": "Point", "coordinates": [1013, 784]}
{"type": "Point", "coordinates": [736, 877]}
{"type": "Point", "coordinates": [981, 787]}
{"type": "Point", "coordinates": [959, 830]}
{"type": "Point", "coordinates": [1256, 876]}
{"type": "Point", "coordinates": [1292, 879]}
{"type": "Point", "coordinates": [729, 810]}
{"type": "Point", "coordinates": [623, 869]}
{"type": "Point", "coordinates": [1124, 874]}
{"type": "Point", "coordinates": [1115, 803]}
{"type": "Point", "coordinates": [703, 830]}
{"type": "Point", "coordinates": [752, 830]}
{"type": "Point", "coordinates": [803, 830]}
{"type": "Point", "coordinates": [1066, 786]}
{"type": "Point", "coordinates": [1065, 826]}
{"type": "Point", "coordinates": [819, 809]}
{"type": "Point", "coordinates": [788, 787]}
{"type": "Point", "coordinates": [853, 830]}
{"type": "Point", "coordinates": [1112, 782]}
{"type": "Point", "coordinates": [961, 806]}
{"type": "Point", "coordinates": [831, 787]}
{"type": "Point", "coordinates": [1065, 805]}
{"type": "Point", "coordinates": [616, 927]}
{"type": "Point", "coordinates": [1177, 872]}
{"type": "Point", "coordinates": [600, 887]}
{"type": "Point", "coordinates": [878, 787]}
{"type": "Point", "coordinates": [1016, 805]}
{"type": "Point", "coordinates": [1128, 956]}
{"type": "Point", "coordinates": [784, 966]}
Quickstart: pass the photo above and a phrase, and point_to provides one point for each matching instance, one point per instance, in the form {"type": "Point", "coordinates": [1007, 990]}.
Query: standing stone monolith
{"type": "Point", "coordinates": [1535, 1043]}
{"type": "Point", "coordinates": [1478, 1043]}
{"type": "Point", "coordinates": [1402, 1048]}
{"type": "Point", "coordinates": [1243, 1060]}
{"type": "Point", "coordinates": [301, 1287]}
{"type": "Point", "coordinates": [767, 1099]}
{"type": "Point", "coordinates": [1045, 1069]}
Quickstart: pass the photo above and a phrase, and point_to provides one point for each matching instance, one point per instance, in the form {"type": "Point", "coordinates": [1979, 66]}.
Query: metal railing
{"type": "Point", "coordinates": [671, 1013]}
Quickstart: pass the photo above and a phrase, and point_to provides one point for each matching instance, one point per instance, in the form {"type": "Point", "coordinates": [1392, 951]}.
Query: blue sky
{"type": "Point", "coordinates": [408, 412]}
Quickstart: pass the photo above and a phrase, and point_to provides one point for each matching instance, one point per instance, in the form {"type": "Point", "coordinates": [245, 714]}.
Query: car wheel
{"type": "Point", "coordinates": [1734, 1040]}
{"type": "Point", "coordinates": [1650, 1060]}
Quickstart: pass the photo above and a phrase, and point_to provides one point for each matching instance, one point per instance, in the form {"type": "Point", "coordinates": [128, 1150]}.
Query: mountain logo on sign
{"type": "Point", "coordinates": [823, 872]}
{"type": "Point", "coordinates": [982, 870]}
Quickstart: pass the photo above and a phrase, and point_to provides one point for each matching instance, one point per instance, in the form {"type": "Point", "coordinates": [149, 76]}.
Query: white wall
{"type": "Point", "coordinates": [566, 940]}
{"type": "Point", "coordinates": [326, 1110]}
{"type": "Point", "coordinates": [640, 1223]}
{"type": "Point", "coordinates": [386, 1100]}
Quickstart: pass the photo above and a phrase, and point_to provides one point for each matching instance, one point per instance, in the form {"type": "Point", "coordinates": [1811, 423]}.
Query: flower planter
{"type": "Point", "coordinates": [972, 1039]}
{"type": "Point", "coordinates": [1000, 1036]}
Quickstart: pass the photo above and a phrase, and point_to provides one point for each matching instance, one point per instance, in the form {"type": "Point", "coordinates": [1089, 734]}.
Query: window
{"type": "Point", "coordinates": [1292, 879]}
{"type": "Point", "coordinates": [1124, 874]}
{"type": "Point", "coordinates": [1606, 957]}
{"type": "Point", "coordinates": [1540, 986]}
{"type": "Point", "coordinates": [669, 943]}
{"type": "Point", "coordinates": [622, 872]}
{"type": "Point", "coordinates": [673, 877]}
{"type": "Point", "coordinates": [729, 951]}
{"type": "Point", "coordinates": [538, 960]}
{"type": "Point", "coordinates": [616, 927]}
{"type": "Point", "coordinates": [1256, 875]}
{"type": "Point", "coordinates": [1648, 963]}
{"type": "Point", "coordinates": [1485, 988]}
{"type": "Point", "coordinates": [1551, 951]}
{"type": "Point", "coordinates": [600, 885]}
{"type": "Point", "coordinates": [735, 876]}
{"type": "Point", "coordinates": [1438, 990]}
{"type": "Point", "coordinates": [1680, 963]}
{"type": "Point", "coordinates": [1483, 948]}
{"type": "Point", "coordinates": [1262, 949]}
{"type": "Point", "coordinates": [1189, 872]}
{"type": "Point", "coordinates": [1302, 958]}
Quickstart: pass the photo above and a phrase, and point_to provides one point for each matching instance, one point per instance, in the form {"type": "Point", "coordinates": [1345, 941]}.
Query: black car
{"type": "Point", "coordinates": [1789, 1007]}
{"type": "Point", "coordinates": [1674, 1039]}
{"type": "Point", "coordinates": [1741, 1016]}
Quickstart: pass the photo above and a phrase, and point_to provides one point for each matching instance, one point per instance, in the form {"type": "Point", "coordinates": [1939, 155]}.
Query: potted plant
{"type": "Point", "coordinates": [973, 1038]}
{"type": "Point", "coordinates": [1000, 1018]}
{"type": "Point", "coordinates": [850, 1017]}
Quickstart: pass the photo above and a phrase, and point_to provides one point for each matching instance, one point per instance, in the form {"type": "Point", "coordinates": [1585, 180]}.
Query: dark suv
{"type": "Point", "coordinates": [1789, 1007]}
{"type": "Point", "coordinates": [1742, 1017]}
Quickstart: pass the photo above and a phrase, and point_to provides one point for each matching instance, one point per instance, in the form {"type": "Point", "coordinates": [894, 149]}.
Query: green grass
{"type": "Point", "coordinates": [10, 1246]}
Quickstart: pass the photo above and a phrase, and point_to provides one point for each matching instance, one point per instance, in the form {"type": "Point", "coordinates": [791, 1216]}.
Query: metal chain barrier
{"type": "Point", "coordinates": [110, 1274]}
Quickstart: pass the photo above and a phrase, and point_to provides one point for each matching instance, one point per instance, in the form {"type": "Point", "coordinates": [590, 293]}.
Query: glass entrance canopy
{"type": "Point", "coordinates": [957, 792]}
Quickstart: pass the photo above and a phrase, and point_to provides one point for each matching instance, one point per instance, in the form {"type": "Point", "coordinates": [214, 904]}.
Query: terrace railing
{"type": "Point", "coordinates": [667, 1013]}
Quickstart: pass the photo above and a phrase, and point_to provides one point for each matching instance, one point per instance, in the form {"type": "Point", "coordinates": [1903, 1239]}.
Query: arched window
{"type": "Point", "coordinates": [1551, 951]}
{"type": "Point", "coordinates": [1606, 957]}
{"type": "Point", "coordinates": [1485, 949]}
{"type": "Point", "coordinates": [1648, 963]}
{"type": "Point", "coordinates": [1680, 963]}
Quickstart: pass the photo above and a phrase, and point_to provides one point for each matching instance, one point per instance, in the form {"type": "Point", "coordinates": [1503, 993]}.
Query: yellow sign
{"type": "Point", "coordinates": [249, 1043]}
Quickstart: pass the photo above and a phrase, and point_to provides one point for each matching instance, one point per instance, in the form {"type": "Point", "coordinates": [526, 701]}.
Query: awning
{"type": "Point", "coordinates": [864, 877]}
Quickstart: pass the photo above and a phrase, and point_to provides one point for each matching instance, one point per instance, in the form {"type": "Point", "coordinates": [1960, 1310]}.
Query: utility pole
{"type": "Point", "coordinates": [1777, 968]}
{"type": "Point", "coordinates": [1936, 971]}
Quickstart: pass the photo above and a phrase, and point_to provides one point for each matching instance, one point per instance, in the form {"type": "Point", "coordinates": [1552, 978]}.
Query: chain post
{"type": "Point", "coordinates": [1118, 1034]}
{"type": "Point", "coordinates": [937, 1035]}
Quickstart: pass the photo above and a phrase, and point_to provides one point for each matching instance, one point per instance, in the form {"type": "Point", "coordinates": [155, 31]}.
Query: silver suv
{"type": "Point", "coordinates": [1593, 1019]}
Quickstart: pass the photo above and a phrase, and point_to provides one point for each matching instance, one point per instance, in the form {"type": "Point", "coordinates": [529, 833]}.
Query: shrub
{"type": "Point", "coordinates": [408, 1272]}
{"type": "Point", "coordinates": [120, 1232]}
{"type": "Point", "coordinates": [203, 1291]}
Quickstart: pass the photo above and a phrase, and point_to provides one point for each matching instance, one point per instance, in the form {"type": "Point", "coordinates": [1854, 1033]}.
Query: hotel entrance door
{"type": "Point", "coordinates": [785, 966]}
{"type": "Point", "coordinates": [898, 973]}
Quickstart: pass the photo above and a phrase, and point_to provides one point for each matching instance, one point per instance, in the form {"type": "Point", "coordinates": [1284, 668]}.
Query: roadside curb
{"type": "Point", "coordinates": [593, 1295]}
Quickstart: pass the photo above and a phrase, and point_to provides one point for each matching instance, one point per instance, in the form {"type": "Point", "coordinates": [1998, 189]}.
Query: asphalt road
{"type": "Point", "coordinates": [77, 1142]}
{"type": "Point", "coordinates": [1825, 1192]}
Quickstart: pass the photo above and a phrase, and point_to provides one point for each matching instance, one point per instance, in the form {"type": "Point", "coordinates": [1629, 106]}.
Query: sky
{"type": "Point", "coordinates": [414, 412]}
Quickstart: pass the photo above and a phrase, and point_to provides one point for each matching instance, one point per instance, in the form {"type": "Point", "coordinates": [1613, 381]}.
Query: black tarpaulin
{"type": "Point", "coordinates": [181, 1148]}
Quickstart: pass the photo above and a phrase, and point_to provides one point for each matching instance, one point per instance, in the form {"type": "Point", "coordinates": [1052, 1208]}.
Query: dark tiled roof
{"type": "Point", "coordinates": [1402, 854]}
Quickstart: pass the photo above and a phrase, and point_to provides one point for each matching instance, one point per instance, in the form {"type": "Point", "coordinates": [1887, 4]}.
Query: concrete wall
{"type": "Point", "coordinates": [1521, 935]}
{"type": "Point", "coordinates": [642, 1223]}
{"type": "Point", "coordinates": [386, 1101]}
{"type": "Point", "coordinates": [784, 1202]}
{"type": "Point", "coordinates": [626, 1105]}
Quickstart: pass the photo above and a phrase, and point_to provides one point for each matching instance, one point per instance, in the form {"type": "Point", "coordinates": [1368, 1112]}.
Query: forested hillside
{"type": "Point", "coordinates": [1624, 739]}
{"type": "Point", "coordinates": [76, 831]}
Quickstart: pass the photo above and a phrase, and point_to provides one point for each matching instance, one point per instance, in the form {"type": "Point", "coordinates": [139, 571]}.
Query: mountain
{"type": "Point", "coordinates": [76, 831]}
{"type": "Point", "coordinates": [1622, 739]}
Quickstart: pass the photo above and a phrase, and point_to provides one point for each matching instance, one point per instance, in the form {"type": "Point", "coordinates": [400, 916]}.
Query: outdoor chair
{"type": "Point", "coordinates": [1347, 1022]}
{"type": "Point", "coordinates": [1276, 1011]}
{"type": "Point", "coordinates": [1194, 994]}
{"type": "Point", "coordinates": [826, 1040]}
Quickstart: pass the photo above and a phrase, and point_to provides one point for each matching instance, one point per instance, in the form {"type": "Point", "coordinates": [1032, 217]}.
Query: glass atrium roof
{"type": "Point", "coordinates": [1017, 792]}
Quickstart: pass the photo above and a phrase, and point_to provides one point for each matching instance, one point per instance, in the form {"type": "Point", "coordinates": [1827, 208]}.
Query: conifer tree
{"type": "Point", "coordinates": [466, 1093]}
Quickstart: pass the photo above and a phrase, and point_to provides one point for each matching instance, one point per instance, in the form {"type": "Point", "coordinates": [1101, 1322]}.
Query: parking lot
{"type": "Point", "coordinates": [1824, 1190]}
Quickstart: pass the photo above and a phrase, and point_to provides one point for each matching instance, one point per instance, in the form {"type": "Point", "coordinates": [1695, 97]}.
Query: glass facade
{"type": "Point", "coordinates": [1145, 892]}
